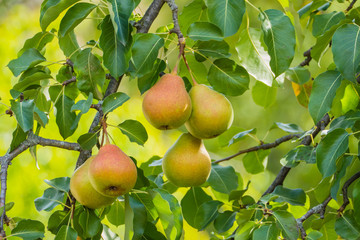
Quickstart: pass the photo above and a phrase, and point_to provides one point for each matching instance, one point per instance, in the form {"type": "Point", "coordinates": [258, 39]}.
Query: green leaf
{"type": "Point", "coordinates": [58, 219]}
{"type": "Point", "coordinates": [169, 213]}
{"type": "Point", "coordinates": [314, 235]}
{"type": "Point", "coordinates": [346, 50]}
{"type": "Point", "coordinates": [146, 200]}
{"type": "Point", "coordinates": [18, 137]}
{"type": "Point", "coordinates": [297, 75]}
{"type": "Point", "coordinates": [61, 183]}
{"type": "Point", "coordinates": [29, 58]}
{"type": "Point", "coordinates": [83, 105]}
{"type": "Point", "coordinates": [8, 207]}
{"type": "Point", "coordinates": [245, 231]}
{"type": "Point", "coordinates": [90, 223]}
{"type": "Point", "coordinates": [226, 14]}
{"type": "Point", "coordinates": [51, 9]}
{"type": "Point", "coordinates": [120, 11]}
{"type": "Point", "coordinates": [207, 212]}
{"type": "Point", "coordinates": [144, 52]}
{"type": "Point", "coordinates": [33, 79]}
{"type": "Point", "coordinates": [253, 161]}
{"type": "Point", "coordinates": [134, 130]}
{"type": "Point", "coordinates": [211, 48]}
{"type": "Point", "coordinates": [28, 229]}
{"type": "Point", "coordinates": [287, 223]}
{"type": "Point", "coordinates": [148, 80]}
{"type": "Point", "coordinates": [90, 75]}
{"type": "Point", "coordinates": [107, 234]}
{"type": "Point", "coordinates": [253, 57]}
{"type": "Point", "coordinates": [227, 77]}
{"type": "Point", "coordinates": [300, 153]}
{"type": "Point", "coordinates": [263, 95]}
{"type": "Point", "coordinates": [64, 116]}
{"type": "Point", "coordinates": [204, 31]}
{"type": "Point", "coordinates": [288, 127]}
{"type": "Point", "coordinates": [38, 41]}
{"type": "Point", "coordinates": [152, 233]}
{"type": "Point", "coordinates": [322, 42]}
{"type": "Point", "coordinates": [66, 233]}
{"type": "Point", "coordinates": [323, 93]}
{"type": "Point", "coordinates": [240, 135]}
{"type": "Point", "coordinates": [74, 16]}
{"type": "Point", "coordinates": [223, 179]}
{"type": "Point", "coordinates": [237, 194]}
{"type": "Point", "coordinates": [340, 173]}
{"type": "Point", "coordinates": [224, 221]}
{"type": "Point", "coordinates": [114, 101]}
{"type": "Point", "coordinates": [266, 232]}
{"type": "Point", "coordinates": [40, 117]}
{"type": "Point", "coordinates": [116, 215]}
{"type": "Point", "coordinates": [323, 22]}
{"type": "Point", "coordinates": [140, 218]}
{"type": "Point", "coordinates": [87, 141]}
{"type": "Point", "coordinates": [150, 169]}
{"type": "Point", "coordinates": [193, 12]}
{"type": "Point", "coordinates": [333, 146]}
{"type": "Point", "coordinates": [346, 121]}
{"type": "Point", "coordinates": [24, 113]}
{"type": "Point", "coordinates": [347, 227]}
{"type": "Point", "coordinates": [69, 45]}
{"type": "Point", "coordinates": [116, 55]}
{"type": "Point", "coordinates": [51, 198]}
{"type": "Point", "coordinates": [295, 197]}
{"type": "Point", "coordinates": [279, 37]}
{"type": "Point", "coordinates": [191, 202]}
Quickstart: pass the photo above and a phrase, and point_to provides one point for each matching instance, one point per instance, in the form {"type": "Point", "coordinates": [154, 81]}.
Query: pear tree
{"type": "Point", "coordinates": [192, 72]}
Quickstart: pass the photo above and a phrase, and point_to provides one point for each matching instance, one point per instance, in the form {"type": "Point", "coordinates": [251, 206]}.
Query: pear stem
{"type": "Point", "coordinates": [105, 133]}
{"type": "Point", "coordinates": [190, 72]}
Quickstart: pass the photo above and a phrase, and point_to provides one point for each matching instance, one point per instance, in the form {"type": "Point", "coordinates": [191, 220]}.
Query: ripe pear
{"type": "Point", "coordinates": [84, 192]}
{"type": "Point", "coordinates": [187, 163]}
{"type": "Point", "coordinates": [212, 113]}
{"type": "Point", "coordinates": [167, 104]}
{"type": "Point", "coordinates": [112, 172]}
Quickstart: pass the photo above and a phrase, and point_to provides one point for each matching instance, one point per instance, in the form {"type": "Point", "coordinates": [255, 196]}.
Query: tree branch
{"type": "Point", "coordinates": [345, 191]}
{"type": "Point", "coordinates": [316, 209]}
{"type": "Point", "coordinates": [263, 146]}
{"type": "Point", "coordinates": [284, 171]}
{"type": "Point", "coordinates": [151, 13]}
{"type": "Point", "coordinates": [174, 10]}
{"type": "Point", "coordinates": [5, 161]}
{"type": "Point", "coordinates": [350, 6]}
{"type": "Point", "coordinates": [307, 55]}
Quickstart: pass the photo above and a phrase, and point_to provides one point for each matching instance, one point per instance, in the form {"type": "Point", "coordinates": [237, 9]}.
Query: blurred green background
{"type": "Point", "coordinates": [19, 20]}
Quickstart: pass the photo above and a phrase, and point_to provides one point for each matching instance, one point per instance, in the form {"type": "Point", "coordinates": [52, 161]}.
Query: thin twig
{"type": "Point", "coordinates": [345, 191]}
{"type": "Point", "coordinates": [307, 55]}
{"type": "Point", "coordinates": [71, 80]}
{"type": "Point", "coordinates": [316, 209]}
{"type": "Point", "coordinates": [284, 171]}
{"type": "Point", "coordinates": [263, 146]}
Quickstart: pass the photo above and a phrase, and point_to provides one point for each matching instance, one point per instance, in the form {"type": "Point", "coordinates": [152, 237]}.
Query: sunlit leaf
{"type": "Point", "coordinates": [279, 37]}
{"type": "Point", "coordinates": [226, 14]}
{"type": "Point", "coordinates": [114, 101]}
{"type": "Point", "coordinates": [263, 95]}
{"type": "Point", "coordinates": [134, 130]}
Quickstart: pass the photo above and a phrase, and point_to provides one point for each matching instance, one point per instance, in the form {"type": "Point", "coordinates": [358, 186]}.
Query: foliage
{"type": "Point", "coordinates": [233, 52]}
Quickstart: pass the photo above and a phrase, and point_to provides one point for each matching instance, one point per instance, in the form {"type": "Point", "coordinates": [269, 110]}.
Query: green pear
{"type": "Point", "coordinates": [187, 163]}
{"type": "Point", "coordinates": [167, 104]}
{"type": "Point", "coordinates": [84, 192]}
{"type": "Point", "coordinates": [212, 113]}
{"type": "Point", "coordinates": [112, 172]}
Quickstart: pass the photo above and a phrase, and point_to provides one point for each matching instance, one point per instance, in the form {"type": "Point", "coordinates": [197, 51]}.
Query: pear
{"type": "Point", "coordinates": [187, 163]}
{"type": "Point", "coordinates": [212, 113]}
{"type": "Point", "coordinates": [84, 192]}
{"type": "Point", "coordinates": [167, 104]}
{"type": "Point", "coordinates": [112, 173]}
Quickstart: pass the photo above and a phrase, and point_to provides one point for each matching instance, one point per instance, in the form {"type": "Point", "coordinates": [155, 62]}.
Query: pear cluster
{"type": "Point", "coordinates": [205, 113]}
{"type": "Point", "coordinates": [103, 177]}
